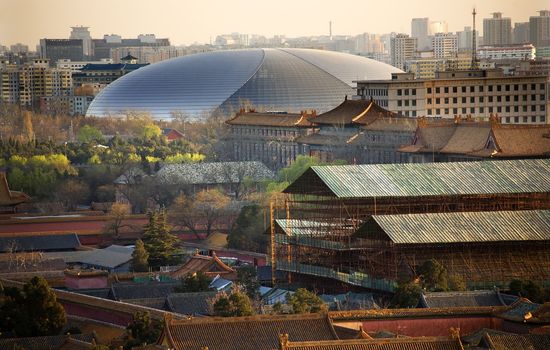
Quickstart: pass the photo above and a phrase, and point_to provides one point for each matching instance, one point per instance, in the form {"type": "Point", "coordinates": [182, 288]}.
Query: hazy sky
{"type": "Point", "coordinates": [188, 21]}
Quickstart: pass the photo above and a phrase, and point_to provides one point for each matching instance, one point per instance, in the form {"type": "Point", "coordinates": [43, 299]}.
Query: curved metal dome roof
{"type": "Point", "coordinates": [270, 79]}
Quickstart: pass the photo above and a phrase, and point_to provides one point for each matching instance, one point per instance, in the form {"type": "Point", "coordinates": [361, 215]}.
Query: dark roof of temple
{"type": "Point", "coordinates": [247, 333]}
{"type": "Point", "coordinates": [360, 112]}
{"type": "Point", "coordinates": [67, 241]}
{"type": "Point", "coordinates": [42, 343]}
{"type": "Point", "coordinates": [125, 290]}
{"type": "Point", "coordinates": [128, 57]}
{"type": "Point", "coordinates": [466, 298]}
{"type": "Point", "coordinates": [425, 179]}
{"type": "Point", "coordinates": [271, 119]}
{"type": "Point", "coordinates": [473, 138]}
{"type": "Point", "coordinates": [191, 304]}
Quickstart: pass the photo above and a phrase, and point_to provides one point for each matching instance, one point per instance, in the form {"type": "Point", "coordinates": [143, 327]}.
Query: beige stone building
{"type": "Point", "coordinates": [520, 99]}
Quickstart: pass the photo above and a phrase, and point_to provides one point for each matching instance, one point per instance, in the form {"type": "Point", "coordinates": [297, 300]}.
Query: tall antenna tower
{"type": "Point", "coordinates": [474, 42]}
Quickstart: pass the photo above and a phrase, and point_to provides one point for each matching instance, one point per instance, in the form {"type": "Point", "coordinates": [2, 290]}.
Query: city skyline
{"type": "Point", "coordinates": [187, 23]}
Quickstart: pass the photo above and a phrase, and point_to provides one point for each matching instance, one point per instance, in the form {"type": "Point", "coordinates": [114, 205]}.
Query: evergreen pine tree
{"type": "Point", "coordinates": [159, 243]}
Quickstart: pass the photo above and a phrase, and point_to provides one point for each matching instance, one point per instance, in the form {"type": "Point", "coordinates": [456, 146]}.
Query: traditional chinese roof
{"type": "Point", "coordinates": [192, 304]}
{"type": "Point", "coordinates": [68, 241]}
{"type": "Point", "coordinates": [246, 333]}
{"type": "Point", "coordinates": [425, 179]}
{"type": "Point", "coordinates": [524, 310]}
{"type": "Point", "coordinates": [421, 343]}
{"type": "Point", "coordinates": [481, 139]}
{"type": "Point", "coordinates": [209, 265]}
{"type": "Point", "coordinates": [396, 124]}
{"type": "Point", "coordinates": [43, 343]}
{"type": "Point", "coordinates": [128, 290]}
{"type": "Point", "coordinates": [213, 173]}
{"type": "Point", "coordinates": [359, 112]}
{"type": "Point", "coordinates": [466, 298]}
{"type": "Point", "coordinates": [464, 227]}
{"type": "Point", "coordinates": [516, 341]}
{"type": "Point", "coordinates": [9, 197]}
{"type": "Point", "coordinates": [106, 258]}
{"type": "Point", "coordinates": [523, 141]}
{"type": "Point", "coordinates": [271, 119]}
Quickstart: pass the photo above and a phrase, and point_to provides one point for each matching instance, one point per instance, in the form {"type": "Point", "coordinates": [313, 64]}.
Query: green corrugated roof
{"type": "Point", "coordinates": [497, 226]}
{"type": "Point", "coordinates": [427, 179]}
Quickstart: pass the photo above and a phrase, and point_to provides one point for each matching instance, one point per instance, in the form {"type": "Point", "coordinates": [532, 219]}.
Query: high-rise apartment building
{"type": "Point", "coordinates": [83, 33]}
{"type": "Point", "coordinates": [438, 27]}
{"type": "Point", "coordinates": [465, 39]}
{"type": "Point", "coordinates": [420, 31]}
{"type": "Point", "coordinates": [519, 99]}
{"type": "Point", "coordinates": [56, 49]}
{"type": "Point", "coordinates": [445, 45]}
{"type": "Point", "coordinates": [497, 31]}
{"type": "Point", "coordinates": [403, 48]}
{"type": "Point", "coordinates": [102, 47]}
{"type": "Point", "coordinates": [539, 29]}
{"type": "Point", "coordinates": [520, 34]}
{"type": "Point", "coordinates": [25, 85]}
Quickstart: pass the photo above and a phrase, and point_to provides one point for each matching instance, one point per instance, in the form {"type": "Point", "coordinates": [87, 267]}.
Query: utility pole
{"type": "Point", "coordinates": [474, 42]}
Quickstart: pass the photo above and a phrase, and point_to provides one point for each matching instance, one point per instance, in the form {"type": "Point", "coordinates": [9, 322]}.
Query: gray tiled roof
{"type": "Point", "coordinates": [68, 241]}
{"type": "Point", "coordinates": [190, 303]}
{"type": "Point", "coordinates": [213, 173]}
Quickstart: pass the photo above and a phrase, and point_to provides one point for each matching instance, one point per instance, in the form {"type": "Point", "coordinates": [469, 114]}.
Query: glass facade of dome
{"type": "Point", "coordinates": [266, 79]}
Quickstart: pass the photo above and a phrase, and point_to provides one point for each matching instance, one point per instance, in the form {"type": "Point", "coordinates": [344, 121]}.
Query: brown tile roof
{"type": "Point", "coordinates": [209, 265]}
{"type": "Point", "coordinates": [421, 343]}
{"type": "Point", "coordinates": [271, 119]}
{"type": "Point", "coordinates": [73, 344]}
{"type": "Point", "coordinates": [516, 341]}
{"type": "Point", "coordinates": [392, 124]}
{"type": "Point", "coordinates": [355, 315]}
{"type": "Point", "coordinates": [522, 141]}
{"type": "Point", "coordinates": [472, 138]}
{"type": "Point", "coordinates": [360, 112]}
{"type": "Point", "coordinates": [246, 333]}
{"type": "Point", "coordinates": [9, 197]}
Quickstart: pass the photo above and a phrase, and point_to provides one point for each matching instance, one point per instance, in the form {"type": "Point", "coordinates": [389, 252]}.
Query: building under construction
{"type": "Point", "coordinates": [372, 225]}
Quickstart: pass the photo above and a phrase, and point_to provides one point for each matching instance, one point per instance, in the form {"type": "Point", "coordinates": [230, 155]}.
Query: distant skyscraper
{"type": "Point", "coordinates": [465, 38]}
{"type": "Point", "coordinates": [497, 30]}
{"type": "Point", "coordinates": [83, 33]}
{"type": "Point", "coordinates": [403, 48]}
{"type": "Point", "coordinates": [445, 45]}
{"type": "Point", "coordinates": [438, 27]}
{"type": "Point", "coordinates": [420, 30]}
{"type": "Point", "coordinates": [19, 48]}
{"type": "Point", "coordinates": [539, 29]}
{"type": "Point", "coordinates": [55, 49]}
{"type": "Point", "coordinates": [521, 33]}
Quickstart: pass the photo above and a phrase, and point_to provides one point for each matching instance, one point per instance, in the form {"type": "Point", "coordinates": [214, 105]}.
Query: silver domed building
{"type": "Point", "coordinates": [266, 79]}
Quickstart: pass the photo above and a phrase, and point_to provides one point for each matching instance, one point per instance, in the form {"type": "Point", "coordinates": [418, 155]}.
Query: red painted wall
{"type": "Point", "coordinates": [74, 282]}
{"type": "Point", "coordinates": [113, 317]}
